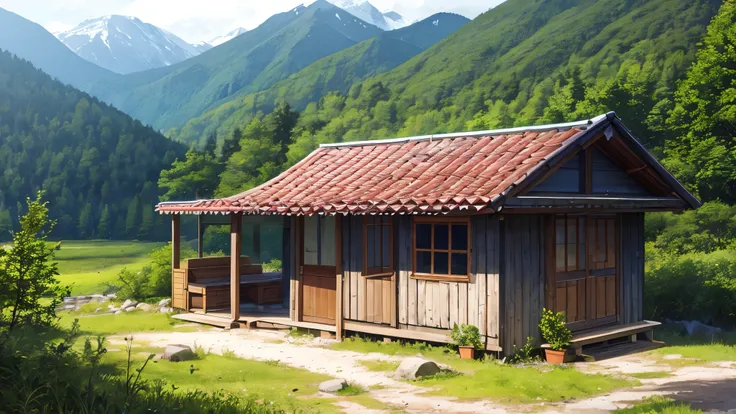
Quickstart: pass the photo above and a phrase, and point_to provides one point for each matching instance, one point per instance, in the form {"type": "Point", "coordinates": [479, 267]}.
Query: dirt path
{"type": "Point", "coordinates": [704, 387]}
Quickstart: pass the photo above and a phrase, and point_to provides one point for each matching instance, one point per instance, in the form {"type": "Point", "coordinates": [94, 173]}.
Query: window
{"type": "Point", "coordinates": [442, 249]}
{"type": "Point", "coordinates": [570, 243]}
{"type": "Point", "coordinates": [378, 242]}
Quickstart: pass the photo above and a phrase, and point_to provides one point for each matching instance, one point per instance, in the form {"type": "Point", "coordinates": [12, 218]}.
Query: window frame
{"type": "Point", "coordinates": [384, 272]}
{"type": "Point", "coordinates": [433, 276]}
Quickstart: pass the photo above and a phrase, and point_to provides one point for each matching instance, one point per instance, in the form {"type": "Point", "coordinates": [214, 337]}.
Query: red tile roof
{"type": "Point", "coordinates": [418, 175]}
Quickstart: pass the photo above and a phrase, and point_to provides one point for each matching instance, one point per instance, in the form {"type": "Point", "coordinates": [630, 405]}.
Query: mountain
{"type": "Point", "coordinates": [125, 44]}
{"type": "Point", "coordinates": [365, 11]}
{"type": "Point", "coordinates": [226, 37]}
{"type": "Point", "coordinates": [97, 166]}
{"type": "Point", "coordinates": [32, 42]}
{"type": "Point", "coordinates": [284, 44]}
{"type": "Point", "coordinates": [337, 72]}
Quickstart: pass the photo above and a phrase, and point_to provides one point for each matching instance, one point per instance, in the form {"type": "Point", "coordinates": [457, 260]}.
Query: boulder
{"type": "Point", "coordinates": [69, 307]}
{"type": "Point", "coordinates": [144, 307]}
{"type": "Point", "coordinates": [178, 353]}
{"type": "Point", "coordinates": [130, 309]}
{"type": "Point", "coordinates": [128, 303]}
{"type": "Point", "coordinates": [111, 306]}
{"type": "Point", "coordinates": [699, 328]}
{"type": "Point", "coordinates": [333, 386]}
{"type": "Point", "coordinates": [412, 368]}
{"type": "Point", "coordinates": [164, 302]}
{"type": "Point", "coordinates": [111, 296]}
{"type": "Point", "coordinates": [166, 310]}
{"type": "Point", "coordinates": [118, 312]}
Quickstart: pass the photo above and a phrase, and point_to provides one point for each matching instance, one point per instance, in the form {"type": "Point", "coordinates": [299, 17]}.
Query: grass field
{"type": "Point", "coordinates": [87, 265]}
{"type": "Point", "coordinates": [124, 323]}
{"type": "Point", "coordinates": [720, 347]}
{"type": "Point", "coordinates": [499, 382]}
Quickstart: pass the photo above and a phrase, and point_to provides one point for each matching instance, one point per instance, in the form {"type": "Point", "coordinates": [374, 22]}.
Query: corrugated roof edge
{"type": "Point", "coordinates": [471, 134]}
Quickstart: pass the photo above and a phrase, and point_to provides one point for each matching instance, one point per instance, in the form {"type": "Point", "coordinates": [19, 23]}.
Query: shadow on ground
{"type": "Point", "coordinates": [704, 395]}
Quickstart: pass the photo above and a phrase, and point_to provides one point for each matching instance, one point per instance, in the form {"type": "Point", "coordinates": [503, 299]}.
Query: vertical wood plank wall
{"type": "Point", "coordinates": [631, 267]}
{"type": "Point", "coordinates": [523, 279]}
{"type": "Point", "coordinates": [420, 303]}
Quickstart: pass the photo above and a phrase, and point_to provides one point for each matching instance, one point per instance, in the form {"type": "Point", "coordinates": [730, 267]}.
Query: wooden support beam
{"type": "Point", "coordinates": [236, 221]}
{"type": "Point", "coordinates": [200, 236]}
{"type": "Point", "coordinates": [175, 241]}
{"type": "Point", "coordinates": [339, 322]}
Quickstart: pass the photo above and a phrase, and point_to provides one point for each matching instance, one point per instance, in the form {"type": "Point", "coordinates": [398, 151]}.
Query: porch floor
{"type": "Point", "coordinates": [250, 317]}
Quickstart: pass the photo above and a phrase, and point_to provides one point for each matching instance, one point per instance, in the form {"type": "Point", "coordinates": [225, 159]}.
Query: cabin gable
{"type": "Point", "coordinates": [591, 172]}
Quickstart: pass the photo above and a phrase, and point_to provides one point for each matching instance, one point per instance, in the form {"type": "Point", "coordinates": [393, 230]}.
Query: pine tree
{"type": "Point", "coordinates": [84, 225]}
{"type": "Point", "coordinates": [132, 219]}
{"type": "Point", "coordinates": [147, 222]}
{"type": "Point", "coordinates": [103, 228]}
{"type": "Point", "coordinates": [6, 225]}
{"type": "Point", "coordinates": [231, 145]}
{"type": "Point", "coordinates": [210, 147]}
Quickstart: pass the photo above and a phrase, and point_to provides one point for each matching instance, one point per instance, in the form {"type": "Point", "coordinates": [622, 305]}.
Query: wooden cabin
{"type": "Point", "coordinates": [406, 237]}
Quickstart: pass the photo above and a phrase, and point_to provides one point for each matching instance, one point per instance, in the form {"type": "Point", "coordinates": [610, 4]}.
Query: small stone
{"type": "Point", "coordinates": [98, 309]}
{"type": "Point", "coordinates": [412, 368]}
{"type": "Point", "coordinates": [111, 296]}
{"type": "Point", "coordinates": [166, 310]}
{"type": "Point", "coordinates": [178, 353]}
{"type": "Point", "coordinates": [118, 312]}
{"type": "Point", "coordinates": [130, 309]}
{"type": "Point", "coordinates": [164, 302]}
{"type": "Point", "coordinates": [69, 307]}
{"type": "Point", "coordinates": [333, 386]}
{"type": "Point", "coordinates": [111, 306]}
{"type": "Point", "coordinates": [128, 303]}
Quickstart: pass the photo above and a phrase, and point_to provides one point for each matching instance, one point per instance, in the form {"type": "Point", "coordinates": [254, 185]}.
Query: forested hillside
{"type": "Point", "coordinates": [524, 62]}
{"type": "Point", "coordinates": [282, 45]}
{"type": "Point", "coordinates": [337, 72]}
{"type": "Point", "coordinates": [97, 166]}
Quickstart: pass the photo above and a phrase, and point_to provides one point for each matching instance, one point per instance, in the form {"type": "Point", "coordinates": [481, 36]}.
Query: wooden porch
{"type": "Point", "coordinates": [252, 318]}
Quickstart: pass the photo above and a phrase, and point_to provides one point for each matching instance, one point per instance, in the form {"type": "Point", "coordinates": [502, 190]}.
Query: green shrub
{"type": "Point", "coordinates": [554, 330]}
{"type": "Point", "coordinates": [526, 354]}
{"type": "Point", "coordinates": [154, 280]}
{"type": "Point", "coordinates": [700, 286]}
{"type": "Point", "coordinates": [466, 335]}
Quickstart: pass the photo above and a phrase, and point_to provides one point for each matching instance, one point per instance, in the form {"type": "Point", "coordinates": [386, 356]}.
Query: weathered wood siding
{"type": "Point", "coordinates": [565, 180]}
{"type": "Point", "coordinates": [631, 267]}
{"type": "Point", "coordinates": [522, 278]}
{"type": "Point", "coordinates": [440, 304]}
{"type": "Point", "coordinates": [405, 301]}
{"type": "Point", "coordinates": [609, 178]}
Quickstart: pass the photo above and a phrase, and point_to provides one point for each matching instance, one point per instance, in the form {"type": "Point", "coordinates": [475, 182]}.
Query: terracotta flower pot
{"type": "Point", "coordinates": [467, 352]}
{"type": "Point", "coordinates": [554, 357]}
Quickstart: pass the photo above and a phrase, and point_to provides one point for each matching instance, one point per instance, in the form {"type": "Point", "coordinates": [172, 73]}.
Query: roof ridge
{"type": "Point", "coordinates": [473, 134]}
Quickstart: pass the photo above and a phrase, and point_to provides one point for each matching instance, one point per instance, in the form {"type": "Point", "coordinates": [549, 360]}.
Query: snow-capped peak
{"type": "Point", "coordinates": [365, 11]}
{"type": "Point", "coordinates": [125, 44]}
{"type": "Point", "coordinates": [227, 37]}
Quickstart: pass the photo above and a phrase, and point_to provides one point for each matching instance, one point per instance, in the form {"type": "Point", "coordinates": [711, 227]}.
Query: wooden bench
{"type": "Point", "coordinates": [205, 283]}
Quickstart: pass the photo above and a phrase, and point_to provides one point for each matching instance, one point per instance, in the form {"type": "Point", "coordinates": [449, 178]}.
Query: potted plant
{"type": "Point", "coordinates": [555, 332]}
{"type": "Point", "coordinates": [467, 339]}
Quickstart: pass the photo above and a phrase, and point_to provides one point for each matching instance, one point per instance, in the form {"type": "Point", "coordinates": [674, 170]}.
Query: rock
{"type": "Point", "coordinates": [699, 328]}
{"type": "Point", "coordinates": [144, 307]}
{"type": "Point", "coordinates": [164, 302]}
{"type": "Point", "coordinates": [128, 303]}
{"type": "Point", "coordinates": [98, 309]}
{"type": "Point", "coordinates": [111, 306]}
{"type": "Point", "coordinates": [333, 386]}
{"type": "Point", "coordinates": [178, 353]}
{"type": "Point", "coordinates": [118, 312]}
{"type": "Point", "coordinates": [412, 368]}
{"type": "Point", "coordinates": [130, 309]}
{"type": "Point", "coordinates": [69, 307]}
{"type": "Point", "coordinates": [166, 310]}
{"type": "Point", "coordinates": [111, 296]}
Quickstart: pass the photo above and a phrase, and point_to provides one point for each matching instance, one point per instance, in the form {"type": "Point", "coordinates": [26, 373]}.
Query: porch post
{"type": "Point", "coordinates": [200, 233]}
{"type": "Point", "coordinates": [338, 278]}
{"type": "Point", "coordinates": [236, 220]}
{"type": "Point", "coordinates": [175, 241]}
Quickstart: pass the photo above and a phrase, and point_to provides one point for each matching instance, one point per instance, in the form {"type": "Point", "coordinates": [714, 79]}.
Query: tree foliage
{"type": "Point", "coordinates": [28, 273]}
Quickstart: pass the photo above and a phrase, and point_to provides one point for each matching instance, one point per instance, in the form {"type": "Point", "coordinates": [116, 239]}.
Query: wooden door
{"type": "Point", "coordinates": [318, 270]}
{"type": "Point", "coordinates": [378, 276]}
{"type": "Point", "coordinates": [582, 278]}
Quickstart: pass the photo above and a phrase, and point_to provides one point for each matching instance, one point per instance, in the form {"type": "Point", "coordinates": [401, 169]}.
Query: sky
{"type": "Point", "coordinates": [202, 20]}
